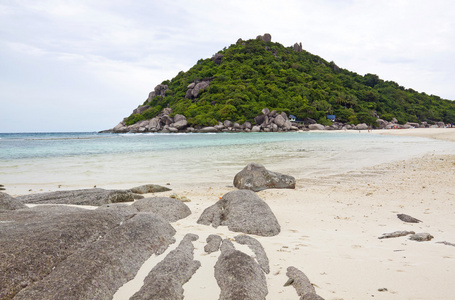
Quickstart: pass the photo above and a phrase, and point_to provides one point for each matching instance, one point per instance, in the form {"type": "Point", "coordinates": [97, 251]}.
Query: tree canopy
{"type": "Point", "coordinates": [255, 74]}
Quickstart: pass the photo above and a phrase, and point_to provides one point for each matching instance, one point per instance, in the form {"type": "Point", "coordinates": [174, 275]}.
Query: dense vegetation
{"type": "Point", "coordinates": [255, 74]}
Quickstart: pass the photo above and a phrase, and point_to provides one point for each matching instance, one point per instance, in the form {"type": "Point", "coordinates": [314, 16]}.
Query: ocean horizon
{"type": "Point", "coordinates": [31, 162]}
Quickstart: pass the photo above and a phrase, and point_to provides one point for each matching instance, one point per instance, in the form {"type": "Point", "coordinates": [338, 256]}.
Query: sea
{"type": "Point", "coordinates": [37, 162]}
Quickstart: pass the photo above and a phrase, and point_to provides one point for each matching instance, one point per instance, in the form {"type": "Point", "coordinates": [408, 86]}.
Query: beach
{"type": "Point", "coordinates": [331, 221]}
{"type": "Point", "coordinates": [330, 229]}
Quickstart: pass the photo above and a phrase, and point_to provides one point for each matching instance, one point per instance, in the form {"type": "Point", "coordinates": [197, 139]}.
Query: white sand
{"type": "Point", "coordinates": [330, 228]}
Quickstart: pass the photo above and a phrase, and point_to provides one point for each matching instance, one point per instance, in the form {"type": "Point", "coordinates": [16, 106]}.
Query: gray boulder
{"type": "Point", "coordinates": [256, 128]}
{"type": "Point", "coordinates": [302, 284]}
{"type": "Point", "coordinates": [242, 211]}
{"type": "Point", "coordinates": [279, 120]}
{"type": "Point", "coordinates": [71, 253]}
{"type": "Point", "coordinates": [407, 218]}
{"type": "Point", "coordinates": [169, 208]}
{"type": "Point", "coordinates": [149, 188]}
{"type": "Point", "coordinates": [179, 117]}
{"type": "Point", "coordinates": [95, 197]}
{"type": "Point", "coordinates": [239, 276]}
{"type": "Point", "coordinates": [316, 127]}
{"type": "Point", "coordinates": [208, 129]}
{"type": "Point", "coordinates": [198, 87]}
{"type": "Point", "coordinates": [256, 177]}
{"type": "Point", "coordinates": [182, 124]}
{"type": "Point", "coordinates": [166, 279]}
{"type": "Point", "coordinates": [421, 237]}
{"type": "Point", "coordinates": [213, 243]}
{"type": "Point", "coordinates": [9, 203]}
{"type": "Point", "coordinates": [361, 126]}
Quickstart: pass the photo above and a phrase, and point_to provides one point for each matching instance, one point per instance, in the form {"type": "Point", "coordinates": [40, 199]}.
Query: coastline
{"type": "Point", "coordinates": [330, 229]}
{"type": "Point", "coordinates": [330, 226]}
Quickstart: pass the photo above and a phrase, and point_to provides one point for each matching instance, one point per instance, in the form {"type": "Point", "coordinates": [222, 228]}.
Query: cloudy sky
{"type": "Point", "coordinates": [84, 65]}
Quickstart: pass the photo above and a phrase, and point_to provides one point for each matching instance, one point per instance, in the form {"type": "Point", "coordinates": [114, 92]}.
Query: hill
{"type": "Point", "coordinates": [238, 82]}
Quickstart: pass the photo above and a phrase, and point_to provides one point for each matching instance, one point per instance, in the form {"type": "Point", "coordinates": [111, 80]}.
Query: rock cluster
{"type": "Point", "coordinates": [160, 90]}
{"type": "Point", "coordinates": [242, 211]}
{"type": "Point", "coordinates": [161, 123]}
{"type": "Point", "coordinates": [297, 47]}
{"type": "Point", "coordinates": [194, 88]}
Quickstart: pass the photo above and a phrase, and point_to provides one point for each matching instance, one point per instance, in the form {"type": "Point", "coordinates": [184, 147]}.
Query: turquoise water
{"type": "Point", "coordinates": [45, 161]}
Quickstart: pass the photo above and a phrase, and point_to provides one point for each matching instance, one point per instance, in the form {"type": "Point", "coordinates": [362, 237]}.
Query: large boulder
{"type": "Point", "coordinates": [166, 279]}
{"type": "Point", "coordinates": [361, 126]}
{"type": "Point", "coordinates": [169, 208]}
{"type": "Point", "coordinates": [61, 252]}
{"type": "Point", "coordinates": [95, 197]}
{"type": "Point", "coordinates": [242, 211]}
{"type": "Point", "coordinates": [279, 120]}
{"type": "Point", "coordinates": [9, 203]}
{"type": "Point", "coordinates": [239, 276]}
{"type": "Point", "coordinates": [256, 177]}
{"type": "Point", "coordinates": [316, 127]}
{"type": "Point", "coordinates": [198, 87]}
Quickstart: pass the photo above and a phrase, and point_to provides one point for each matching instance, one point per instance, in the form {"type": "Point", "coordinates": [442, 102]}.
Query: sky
{"type": "Point", "coordinates": [84, 65]}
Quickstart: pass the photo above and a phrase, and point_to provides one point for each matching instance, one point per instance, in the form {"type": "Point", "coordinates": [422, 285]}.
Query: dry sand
{"type": "Point", "coordinates": [330, 228]}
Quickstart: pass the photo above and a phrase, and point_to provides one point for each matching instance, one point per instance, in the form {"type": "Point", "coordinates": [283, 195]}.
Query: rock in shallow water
{"type": "Point", "coordinates": [256, 177]}
{"type": "Point", "coordinates": [242, 211]}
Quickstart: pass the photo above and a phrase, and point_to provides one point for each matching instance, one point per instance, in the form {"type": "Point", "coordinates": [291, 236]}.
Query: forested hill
{"type": "Point", "coordinates": [241, 80]}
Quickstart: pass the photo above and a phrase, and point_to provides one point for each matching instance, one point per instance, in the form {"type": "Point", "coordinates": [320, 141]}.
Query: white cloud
{"type": "Point", "coordinates": [125, 48]}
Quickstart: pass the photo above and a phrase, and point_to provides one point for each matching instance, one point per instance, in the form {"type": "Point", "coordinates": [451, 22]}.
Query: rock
{"type": "Point", "coordinates": [247, 125]}
{"type": "Point", "coordinates": [71, 253]}
{"type": "Point", "coordinates": [180, 198]}
{"type": "Point", "coordinates": [9, 203]}
{"type": "Point", "coordinates": [170, 209]}
{"type": "Point", "coordinates": [287, 125]}
{"type": "Point", "coordinates": [119, 207]}
{"type": "Point", "coordinates": [260, 119]}
{"type": "Point", "coordinates": [239, 276]}
{"type": "Point", "coordinates": [208, 129]}
{"type": "Point", "coordinates": [267, 37]}
{"type": "Point", "coordinates": [166, 111]}
{"type": "Point", "coordinates": [154, 124]}
{"type": "Point", "coordinates": [160, 90]}
{"type": "Point", "coordinates": [421, 237]}
{"type": "Point", "coordinates": [297, 47]}
{"type": "Point", "coordinates": [191, 85]}
{"type": "Point", "coordinates": [256, 129]}
{"type": "Point", "coordinates": [166, 279]}
{"type": "Point", "coordinates": [316, 127]}
{"type": "Point", "coordinates": [213, 243]}
{"type": "Point", "coordinates": [182, 124]}
{"type": "Point", "coordinates": [140, 109]}
{"type": "Point", "coordinates": [94, 197]}
{"type": "Point", "coordinates": [361, 126]}
{"type": "Point", "coordinates": [395, 234]}
{"type": "Point", "coordinates": [408, 219]}
{"type": "Point", "coordinates": [279, 120]}
{"type": "Point", "coordinates": [257, 249]}
{"type": "Point", "coordinates": [302, 284]}
{"type": "Point", "coordinates": [217, 58]}
{"type": "Point", "coordinates": [179, 117]}
{"type": "Point", "coordinates": [242, 211]}
{"type": "Point", "coordinates": [198, 87]}
{"type": "Point", "coordinates": [256, 177]}
{"type": "Point", "coordinates": [228, 123]}
{"type": "Point", "coordinates": [265, 111]}
{"type": "Point", "coordinates": [149, 188]}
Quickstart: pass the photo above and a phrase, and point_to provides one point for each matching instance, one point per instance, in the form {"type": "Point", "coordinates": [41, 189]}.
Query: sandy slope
{"type": "Point", "coordinates": [330, 229]}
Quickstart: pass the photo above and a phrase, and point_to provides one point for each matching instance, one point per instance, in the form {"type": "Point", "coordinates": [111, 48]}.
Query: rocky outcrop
{"type": "Point", "coordinates": [217, 58]}
{"type": "Point", "coordinates": [194, 88]}
{"type": "Point", "coordinates": [166, 279]}
{"type": "Point", "coordinates": [9, 203]}
{"type": "Point", "coordinates": [256, 177]}
{"type": "Point", "coordinates": [169, 208]}
{"type": "Point", "coordinates": [160, 90]}
{"type": "Point", "coordinates": [297, 47]}
{"type": "Point", "coordinates": [239, 276]}
{"type": "Point", "coordinates": [149, 188]}
{"type": "Point", "coordinates": [94, 197]}
{"type": "Point", "coordinates": [266, 37]}
{"type": "Point", "coordinates": [242, 211]}
{"type": "Point", "coordinates": [302, 284]}
{"type": "Point", "coordinates": [72, 253]}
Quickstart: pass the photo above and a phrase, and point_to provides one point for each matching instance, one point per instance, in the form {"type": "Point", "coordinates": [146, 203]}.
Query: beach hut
{"type": "Point", "coordinates": [292, 118]}
{"type": "Point", "coordinates": [331, 117]}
